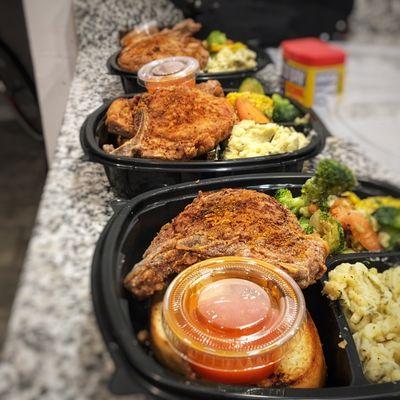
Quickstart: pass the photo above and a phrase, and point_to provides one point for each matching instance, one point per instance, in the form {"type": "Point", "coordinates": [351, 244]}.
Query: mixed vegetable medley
{"type": "Point", "coordinates": [251, 102]}
{"type": "Point", "coordinates": [328, 207]}
{"type": "Point", "coordinates": [268, 124]}
{"type": "Point", "coordinates": [227, 55]}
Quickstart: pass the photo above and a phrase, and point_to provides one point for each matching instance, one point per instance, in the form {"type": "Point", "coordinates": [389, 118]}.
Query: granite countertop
{"type": "Point", "coordinates": [53, 348]}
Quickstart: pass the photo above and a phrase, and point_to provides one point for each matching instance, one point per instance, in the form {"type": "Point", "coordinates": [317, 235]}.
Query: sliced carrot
{"type": "Point", "coordinates": [246, 110]}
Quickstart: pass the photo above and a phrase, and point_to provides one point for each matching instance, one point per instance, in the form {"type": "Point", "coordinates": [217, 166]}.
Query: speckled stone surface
{"type": "Point", "coordinates": [53, 348]}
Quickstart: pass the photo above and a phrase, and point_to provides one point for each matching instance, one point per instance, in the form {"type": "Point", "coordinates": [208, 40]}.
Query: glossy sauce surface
{"type": "Point", "coordinates": [233, 307]}
{"type": "Point", "coordinates": [231, 318]}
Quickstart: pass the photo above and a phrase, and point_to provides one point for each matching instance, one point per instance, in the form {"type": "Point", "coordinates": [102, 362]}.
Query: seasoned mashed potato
{"type": "Point", "coordinates": [229, 59]}
{"type": "Point", "coordinates": [371, 302]}
{"type": "Point", "coordinates": [250, 139]}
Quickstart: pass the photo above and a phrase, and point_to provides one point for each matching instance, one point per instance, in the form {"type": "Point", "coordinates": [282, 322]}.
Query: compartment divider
{"type": "Point", "coordinates": [120, 317]}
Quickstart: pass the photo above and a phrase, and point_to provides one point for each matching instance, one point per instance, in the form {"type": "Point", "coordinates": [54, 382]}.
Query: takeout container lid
{"type": "Point", "coordinates": [169, 69]}
{"type": "Point", "coordinates": [121, 317]}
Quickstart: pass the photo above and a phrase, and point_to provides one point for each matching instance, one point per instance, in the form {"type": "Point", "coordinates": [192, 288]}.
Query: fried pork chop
{"type": "Point", "coordinates": [119, 118]}
{"type": "Point", "coordinates": [172, 123]}
{"type": "Point", "coordinates": [141, 48]}
{"type": "Point", "coordinates": [229, 222]}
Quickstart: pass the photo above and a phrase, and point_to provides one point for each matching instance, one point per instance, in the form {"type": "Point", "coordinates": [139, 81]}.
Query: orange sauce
{"type": "Point", "coordinates": [170, 71]}
{"type": "Point", "coordinates": [232, 318]}
{"type": "Point", "coordinates": [232, 308]}
{"type": "Point", "coordinates": [184, 81]}
{"type": "Point", "coordinates": [244, 376]}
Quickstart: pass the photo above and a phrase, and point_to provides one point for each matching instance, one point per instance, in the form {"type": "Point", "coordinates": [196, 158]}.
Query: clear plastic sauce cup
{"type": "Point", "coordinates": [148, 27]}
{"type": "Point", "coordinates": [232, 318]}
{"type": "Point", "coordinates": [171, 71]}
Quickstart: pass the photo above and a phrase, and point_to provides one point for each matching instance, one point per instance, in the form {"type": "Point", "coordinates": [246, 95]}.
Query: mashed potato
{"type": "Point", "coordinates": [371, 302]}
{"type": "Point", "coordinates": [232, 59]}
{"type": "Point", "coordinates": [250, 139]}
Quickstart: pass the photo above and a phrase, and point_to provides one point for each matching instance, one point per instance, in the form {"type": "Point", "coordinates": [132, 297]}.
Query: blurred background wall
{"type": "Point", "coordinates": [52, 39]}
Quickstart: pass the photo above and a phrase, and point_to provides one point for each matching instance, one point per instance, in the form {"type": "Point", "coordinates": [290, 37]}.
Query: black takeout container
{"type": "Point", "coordinates": [130, 176]}
{"type": "Point", "coordinates": [227, 79]}
{"type": "Point", "coordinates": [121, 316]}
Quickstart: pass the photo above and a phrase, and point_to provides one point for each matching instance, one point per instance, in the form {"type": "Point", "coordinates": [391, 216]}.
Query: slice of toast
{"type": "Point", "coordinates": [159, 342]}
{"type": "Point", "coordinates": [302, 367]}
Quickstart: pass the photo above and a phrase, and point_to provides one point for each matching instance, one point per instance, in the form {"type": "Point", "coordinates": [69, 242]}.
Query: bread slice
{"type": "Point", "coordinates": [302, 367]}
{"type": "Point", "coordinates": [159, 342]}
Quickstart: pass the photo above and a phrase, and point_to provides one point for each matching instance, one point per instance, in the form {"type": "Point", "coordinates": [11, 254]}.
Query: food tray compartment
{"type": "Point", "coordinates": [120, 316]}
{"type": "Point", "coordinates": [129, 177]}
{"type": "Point", "coordinates": [381, 261]}
{"type": "Point", "coordinates": [227, 79]}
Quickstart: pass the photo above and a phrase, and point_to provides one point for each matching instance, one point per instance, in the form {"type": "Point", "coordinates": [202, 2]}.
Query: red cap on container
{"type": "Point", "coordinates": [312, 51]}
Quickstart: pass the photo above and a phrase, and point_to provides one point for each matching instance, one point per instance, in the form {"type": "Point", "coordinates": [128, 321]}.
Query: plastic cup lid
{"type": "Point", "coordinates": [148, 27]}
{"type": "Point", "coordinates": [166, 69]}
{"type": "Point", "coordinates": [232, 307]}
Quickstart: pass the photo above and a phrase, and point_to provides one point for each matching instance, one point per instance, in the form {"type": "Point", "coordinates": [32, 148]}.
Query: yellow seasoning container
{"type": "Point", "coordinates": [313, 70]}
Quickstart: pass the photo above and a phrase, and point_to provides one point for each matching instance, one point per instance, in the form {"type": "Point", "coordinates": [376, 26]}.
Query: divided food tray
{"type": "Point", "coordinates": [227, 79]}
{"type": "Point", "coordinates": [121, 317]}
{"type": "Point", "coordinates": [130, 176]}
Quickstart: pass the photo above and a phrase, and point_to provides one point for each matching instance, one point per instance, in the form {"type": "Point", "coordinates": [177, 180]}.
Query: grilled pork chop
{"type": "Point", "coordinates": [171, 123]}
{"type": "Point", "coordinates": [229, 222]}
{"type": "Point", "coordinates": [139, 48]}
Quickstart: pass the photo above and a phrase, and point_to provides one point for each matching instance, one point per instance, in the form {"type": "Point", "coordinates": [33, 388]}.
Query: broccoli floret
{"type": "Point", "coordinates": [388, 217]}
{"type": "Point", "coordinates": [305, 224]}
{"type": "Point", "coordinates": [216, 37]}
{"type": "Point", "coordinates": [331, 178]}
{"type": "Point", "coordinates": [284, 110]}
{"type": "Point", "coordinates": [389, 220]}
{"type": "Point", "coordinates": [285, 197]}
{"type": "Point", "coordinates": [329, 229]}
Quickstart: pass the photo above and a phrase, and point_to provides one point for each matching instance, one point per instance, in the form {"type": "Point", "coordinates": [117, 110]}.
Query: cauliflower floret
{"type": "Point", "coordinates": [250, 139]}
{"type": "Point", "coordinates": [232, 59]}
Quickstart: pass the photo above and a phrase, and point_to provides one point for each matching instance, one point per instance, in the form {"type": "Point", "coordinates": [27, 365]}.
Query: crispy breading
{"type": "Point", "coordinates": [139, 48]}
{"type": "Point", "coordinates": [229, 222]}
{"type": "Point", "coordinates": [175, 123]}
{"type": "Point", "coordinates": [120, 116]}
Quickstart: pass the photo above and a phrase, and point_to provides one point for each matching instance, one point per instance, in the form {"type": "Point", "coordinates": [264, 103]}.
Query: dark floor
{"type": "Point", "coordinates": [22, 175]}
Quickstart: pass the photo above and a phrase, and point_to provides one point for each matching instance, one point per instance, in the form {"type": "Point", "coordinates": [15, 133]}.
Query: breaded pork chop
{"type": "Point", "coordinates": [140, 49]}
{"type": "Point", "coordinates": [120, 116]}
{"type": "Point", "coordinates": [229, 222]}
{"type": "Point", "coordinates": [173, 123]}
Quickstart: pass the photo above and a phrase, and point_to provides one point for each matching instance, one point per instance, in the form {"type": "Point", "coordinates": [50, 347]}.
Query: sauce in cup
{"type": "Point", "coordinates": [231, 318]}
{"type": "Point", "coordinates": [171, 71]}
